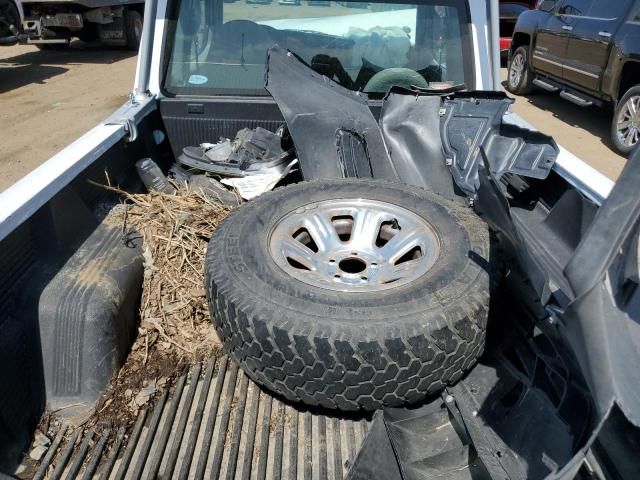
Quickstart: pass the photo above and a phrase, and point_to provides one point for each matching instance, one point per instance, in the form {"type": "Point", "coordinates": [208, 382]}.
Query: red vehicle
{"type": "Point", "coordinates": [510, 10]}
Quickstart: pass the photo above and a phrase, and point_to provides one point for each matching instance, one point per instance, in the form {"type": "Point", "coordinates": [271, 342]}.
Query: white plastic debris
{"type": "Point", "coordinates": [254, 185]}
{"type": "Point", "coordinates": [38, 452]}
{"type": "Point", "coordinates": [147, 262]}
{"type": "Point", "coordinates": [250, 187]}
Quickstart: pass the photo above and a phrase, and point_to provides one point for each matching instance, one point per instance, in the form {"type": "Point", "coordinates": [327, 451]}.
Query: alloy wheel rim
{"type": "Point", "coordinates": [628, 122]}
{"type": "Point", "coordinates": [516, 69]}
{"type": "Point", "coordinates": [353, 245]}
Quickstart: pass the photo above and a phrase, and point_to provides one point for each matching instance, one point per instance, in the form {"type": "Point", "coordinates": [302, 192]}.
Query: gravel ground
{"type": "Point", "coordinates": [50, 98]}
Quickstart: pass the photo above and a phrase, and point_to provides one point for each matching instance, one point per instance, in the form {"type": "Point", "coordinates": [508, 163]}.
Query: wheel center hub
{"type": "Point", "coordinates": [352, 265]}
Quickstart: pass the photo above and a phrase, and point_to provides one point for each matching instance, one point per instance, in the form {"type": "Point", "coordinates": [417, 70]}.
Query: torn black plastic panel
{"type": "Point", "coordinates": [471, 120]}
{"type": "Point", "coordinates": [321, 116]}
{"type": "Point", "coordinates": [422, 139]}
{"type": "Point", "coordinates": [603, 323]}
{"type": "Point", "coordinates": [416, 444]}
{"type": "Point", "coordinates": [593, 289]}
{"type": "Point", "coordinates": [592, 311]}
{"type": "Point", "coordinates": [410, 125]}
{"type": "Point", "coordinates": [494, 207]}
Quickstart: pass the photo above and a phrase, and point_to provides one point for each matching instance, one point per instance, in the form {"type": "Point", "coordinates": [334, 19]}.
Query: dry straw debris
{"type": "Point", "coordinates": [175, 330]}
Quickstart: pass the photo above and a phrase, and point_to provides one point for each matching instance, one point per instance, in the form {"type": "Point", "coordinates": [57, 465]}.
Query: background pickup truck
{"type": "Point", "coordinates": [54, 23]}
{"type": "Point", "coordinates": [532, 374]}
{"type": "Point", "coordinates": [510, 10]}
{"type": "Point", "coordinates": [587, 50]}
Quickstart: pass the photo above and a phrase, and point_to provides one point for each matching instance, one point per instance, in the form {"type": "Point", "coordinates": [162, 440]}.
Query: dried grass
{"type": "Point", "coordinates": [175, 330]}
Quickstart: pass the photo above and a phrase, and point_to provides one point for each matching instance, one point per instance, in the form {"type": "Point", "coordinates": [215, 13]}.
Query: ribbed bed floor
{"type": "Point", "coordinates": [215, 424]}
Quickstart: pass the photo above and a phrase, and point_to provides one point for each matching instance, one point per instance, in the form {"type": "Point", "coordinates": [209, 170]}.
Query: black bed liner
{"type": "Point", "coordinates": [220, 426]}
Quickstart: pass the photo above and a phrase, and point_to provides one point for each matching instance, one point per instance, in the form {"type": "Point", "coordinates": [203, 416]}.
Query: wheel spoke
{"type": "Point", "coordinates": [628, 138]}
{"type": "Point", "coordinates": [388, 273]}
{"type": "Point", "coordinates": [366, 224]}
{"type": "Point", "coordinates": [322, 231]}
{"type": "Point", "coordinates": [400, 244]}
{"type": "Point", "coordinates": [626, 113]}
{"type": "Point", "coordinates": [624, 124]}
{"type": "Point", "coordinates": [302, 254]}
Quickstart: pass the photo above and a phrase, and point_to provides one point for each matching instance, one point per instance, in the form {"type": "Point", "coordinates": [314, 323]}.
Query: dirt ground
{"type": "Point", "coordinates": [49, 98]}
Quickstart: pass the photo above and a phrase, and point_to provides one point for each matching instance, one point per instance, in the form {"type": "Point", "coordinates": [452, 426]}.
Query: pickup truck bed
{"type": "Point", "coordinates": [506, 419]}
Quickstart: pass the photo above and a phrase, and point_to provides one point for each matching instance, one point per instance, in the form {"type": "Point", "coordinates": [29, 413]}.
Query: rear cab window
{"type": "Point", "coordinates": [219, 47]}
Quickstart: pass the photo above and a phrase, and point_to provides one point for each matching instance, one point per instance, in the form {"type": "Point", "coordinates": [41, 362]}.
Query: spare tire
{"type": "Point", "coordinates": [351, 294]}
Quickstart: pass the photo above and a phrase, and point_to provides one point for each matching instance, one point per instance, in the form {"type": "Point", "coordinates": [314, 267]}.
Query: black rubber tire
{"type": "Point", "coordinates": [617, 144]}
{"type": "Point", "coordinates": [350, 351]}
{"type": "Point", "coordinates": [132, 20]}
{"type": "Point", "coordinates": [525, 85]}
{"type": "Point", "coordinates": [11, 16]}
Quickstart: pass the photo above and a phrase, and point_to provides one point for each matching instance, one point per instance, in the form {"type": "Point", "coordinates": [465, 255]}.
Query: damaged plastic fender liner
{"type": "Point", "coordinates": [410, 124]}
{"type": "Point", "coordinates": [424, 138]}
{"type": "Point", "coordinates": [319, 122]}
{"type": "Point", "coordinates": [472, 120]}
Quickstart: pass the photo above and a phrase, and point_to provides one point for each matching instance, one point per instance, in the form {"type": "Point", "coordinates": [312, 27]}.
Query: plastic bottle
{"type": "Point", "coordinates": [153, 177]}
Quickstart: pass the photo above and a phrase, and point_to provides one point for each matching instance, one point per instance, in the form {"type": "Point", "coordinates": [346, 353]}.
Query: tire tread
{"type": "Point", "coordinates": [324, 366]}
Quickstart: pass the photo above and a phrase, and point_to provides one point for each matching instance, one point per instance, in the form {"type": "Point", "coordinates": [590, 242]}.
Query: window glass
{"type": "Point", "coordinates": [548, 5]}
{"type": "Point", "coordinates": [576, 8]}
{"type": "Point", "coordinates": [219, 47]}
{"type": "Point", "coordinates": [609, 10]}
